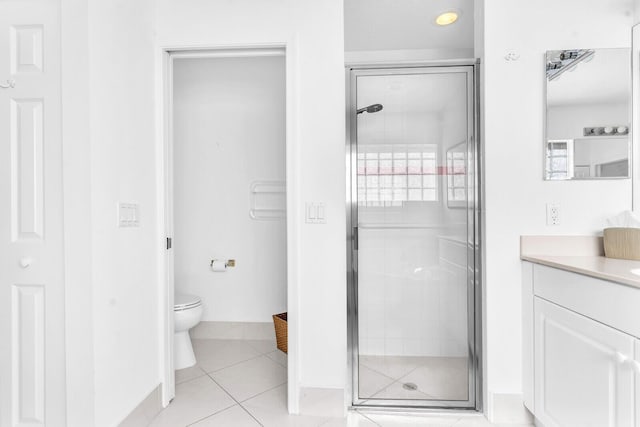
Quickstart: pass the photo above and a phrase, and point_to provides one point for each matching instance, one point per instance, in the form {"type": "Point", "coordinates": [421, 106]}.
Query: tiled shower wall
{"type": "Point", "coordinates": [412, 292]}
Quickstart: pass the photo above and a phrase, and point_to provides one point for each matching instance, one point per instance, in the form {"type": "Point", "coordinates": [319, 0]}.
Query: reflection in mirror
{"type": "Point", "coordinates": [456, 176]}
{"type": "Point", "coordinates": [587, 113]}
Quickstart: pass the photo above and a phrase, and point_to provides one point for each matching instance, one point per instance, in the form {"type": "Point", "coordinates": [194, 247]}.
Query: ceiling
{"type": "Point", "coordinates": [406, 24]}
{"type": "Point", "coordinates": [605, 79]}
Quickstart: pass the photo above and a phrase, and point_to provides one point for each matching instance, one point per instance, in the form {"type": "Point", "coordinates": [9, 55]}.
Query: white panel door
{"type": "Point", "coordinates": [584, 370]}
{"type": "Point", "coordinates": [32, 367]}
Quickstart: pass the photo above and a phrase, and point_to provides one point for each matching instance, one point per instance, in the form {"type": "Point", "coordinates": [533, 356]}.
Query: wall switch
{"type": "Point", "coordinates": [128, 215]}
{"type": "Point", "coordinates": [553, 213]}
{"type": "Point", "coordinates": [315, 213]}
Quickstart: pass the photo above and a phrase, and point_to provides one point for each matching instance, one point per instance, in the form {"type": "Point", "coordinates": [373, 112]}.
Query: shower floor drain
{"type": "Point", "coordinates": [409, 386]}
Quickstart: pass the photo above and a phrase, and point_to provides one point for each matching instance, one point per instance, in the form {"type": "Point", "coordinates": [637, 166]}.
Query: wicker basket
{"type": "Point", "coordinates": [622, 243]}
{"type": "Point", "coordinates": [280, 325]}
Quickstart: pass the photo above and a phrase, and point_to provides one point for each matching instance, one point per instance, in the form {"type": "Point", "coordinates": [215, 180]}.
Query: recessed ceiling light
{"type": "Point", "coordinates": [447, 18]}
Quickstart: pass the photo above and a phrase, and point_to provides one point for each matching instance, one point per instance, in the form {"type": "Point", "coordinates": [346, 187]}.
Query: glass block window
{"type": "Point", "coordinates": [457, 176]}
{"type": "Point", "coordinates": [560, 159]}
{"type": "Point", "coordinates": [390, 175]}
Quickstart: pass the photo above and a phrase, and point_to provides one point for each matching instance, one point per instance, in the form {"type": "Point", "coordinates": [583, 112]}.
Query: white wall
{"type": "Point", "coordinates": [77, 218]}
{"type": "Point", "coordinates": [315, 30]}
{"type": "Point", "coordinates": [122, 138]}
{"type": "Point", "coordinates": [229, 132]}
{"type": "Point", "coordinates": [513, 145]}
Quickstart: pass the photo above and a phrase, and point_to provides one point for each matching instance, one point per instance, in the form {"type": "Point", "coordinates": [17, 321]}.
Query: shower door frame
{"type": "Point", "coordinates": [474, 227]}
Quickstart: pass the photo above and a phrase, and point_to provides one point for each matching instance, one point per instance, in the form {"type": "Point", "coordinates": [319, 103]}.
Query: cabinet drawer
{"type": "Point", "coordinates": [614, 304]}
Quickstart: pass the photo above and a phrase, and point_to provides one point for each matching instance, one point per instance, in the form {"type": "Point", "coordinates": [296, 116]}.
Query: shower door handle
{"type": "Point", "coordinates": [354, 236]}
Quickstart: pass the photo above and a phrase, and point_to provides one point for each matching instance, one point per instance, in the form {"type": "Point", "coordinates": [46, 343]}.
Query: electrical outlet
{"type": "Point", "coordinates": [553, 214]}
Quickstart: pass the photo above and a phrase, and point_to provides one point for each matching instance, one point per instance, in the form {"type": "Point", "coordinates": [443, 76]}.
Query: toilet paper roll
{"type": "Point", "coordinates": [219, 265]}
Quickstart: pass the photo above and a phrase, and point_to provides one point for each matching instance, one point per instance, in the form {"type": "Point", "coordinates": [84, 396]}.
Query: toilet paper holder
{"type": "Point", "coordinates": [227, 263]}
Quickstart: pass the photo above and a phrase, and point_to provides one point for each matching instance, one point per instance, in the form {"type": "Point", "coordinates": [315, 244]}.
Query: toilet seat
{"type": "Point", "coordinates": [185, 302]}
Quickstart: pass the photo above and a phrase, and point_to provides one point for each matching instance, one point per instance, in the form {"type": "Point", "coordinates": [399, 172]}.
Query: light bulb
{"type": "Point", "coordinates": [447, 18]}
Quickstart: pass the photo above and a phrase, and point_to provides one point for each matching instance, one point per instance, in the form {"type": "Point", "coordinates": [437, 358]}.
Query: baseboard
{"type": "Point", "coordinates": [322, 402]}
{"type": "Point", "coordinates": [146, 411]}
{"type": "Point", "coordinates": [508, 408]}
{"type": "Point", "coordinates": [233, 331]}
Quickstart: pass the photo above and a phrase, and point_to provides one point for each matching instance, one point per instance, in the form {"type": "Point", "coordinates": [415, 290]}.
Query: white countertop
{"type": "Point", "coordinates": [614, 270]}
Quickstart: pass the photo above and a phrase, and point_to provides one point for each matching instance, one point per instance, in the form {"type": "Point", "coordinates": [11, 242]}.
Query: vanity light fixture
{"type": "Point", "coordinates": [566, 60]}
{"type": "Point", "coordinates": [447, 18]}
{"type": "Point", "coordinates": [606, 130]}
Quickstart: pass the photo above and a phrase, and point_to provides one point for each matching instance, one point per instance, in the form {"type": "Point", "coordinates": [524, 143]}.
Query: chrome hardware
{"type": "Point", "coordinates": [355, 238]}
{"type": "Point", "coordinates": [10, 84]}
{"type": "Point", "coordinates": [228, 263]}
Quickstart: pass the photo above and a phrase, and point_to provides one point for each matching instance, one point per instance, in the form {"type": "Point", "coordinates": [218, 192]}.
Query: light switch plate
{"type": "Point", "coordinates": [128, 215]}
{"type": "Point", "coordinates": [315, 213]}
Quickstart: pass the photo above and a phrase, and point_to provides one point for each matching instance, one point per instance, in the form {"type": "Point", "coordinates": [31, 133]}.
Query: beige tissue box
{"type": "Point", "coordinates": [622, 243]}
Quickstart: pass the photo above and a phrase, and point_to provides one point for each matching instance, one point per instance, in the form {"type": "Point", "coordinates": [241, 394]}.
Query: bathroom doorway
{"type": "Point", "coordinates": [227, 157]}
{"type": "Point", "coordinates": [414, 292]}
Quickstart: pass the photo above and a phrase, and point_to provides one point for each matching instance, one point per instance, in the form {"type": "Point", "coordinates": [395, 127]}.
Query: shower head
{"type": "Point", "coordinates": [373, 108]}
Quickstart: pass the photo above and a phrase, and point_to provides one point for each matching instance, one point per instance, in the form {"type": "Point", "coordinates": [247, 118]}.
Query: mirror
{"type": "Point", "coordinates": [588, 114]}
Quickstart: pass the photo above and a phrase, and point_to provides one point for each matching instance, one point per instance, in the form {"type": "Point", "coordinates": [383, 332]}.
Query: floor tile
{"type": "Point", "coordinates": [213, 355]}
{"type": "Point", "coordinates": [270, 409]}
{"type": "Point", "coordinates": [443, 378]}
{"type": "Point", "coordinates": [194, 400]}
{"type": "Point", "coordinates": [234, 416]}
{"type": "Point", "coordinates": [278, 357]}
{"type": "Point", "coordinates": [391, 366]}
{"type": "Point", "coordinates": [478, 421]}
{"type": "Point", "coordinates": [351, 420]}
{"type": "Point", "coordinates": [384, 420]}
{"type": "Point", "coordinates": [481, 421]}
{"type": "Point", "coordinates": [188, 374]}
{"type": "Point", "coordinates": [262, 346]}
{"type": "Point", "coordinates": [371, 382]}
{"type": "Point", "coordinates": [397, 391]}
{"type": "Point", "coordinates": [247, 379]}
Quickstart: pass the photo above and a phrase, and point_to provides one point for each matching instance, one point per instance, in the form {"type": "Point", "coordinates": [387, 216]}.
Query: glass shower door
{"type": "Point", "coordinates": [413, 237]}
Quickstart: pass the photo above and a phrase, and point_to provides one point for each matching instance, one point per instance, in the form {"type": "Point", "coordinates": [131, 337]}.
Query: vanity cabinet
{"type": "Point", "coordinates": [579, 378]}
{"type": "Point", "coordinates": [579, 370]}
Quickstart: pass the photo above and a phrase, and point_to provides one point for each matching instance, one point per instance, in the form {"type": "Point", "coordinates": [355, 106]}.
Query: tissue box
{"type": "Point", "coordinates": [622, 243]}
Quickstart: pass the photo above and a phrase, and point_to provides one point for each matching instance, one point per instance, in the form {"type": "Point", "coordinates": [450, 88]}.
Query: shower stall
{"type": "Point", "coordinates": [414, 288]}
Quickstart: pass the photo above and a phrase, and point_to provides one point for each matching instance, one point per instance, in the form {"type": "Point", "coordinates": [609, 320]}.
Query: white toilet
{"type": "Point", "coordinates": [187, 311]}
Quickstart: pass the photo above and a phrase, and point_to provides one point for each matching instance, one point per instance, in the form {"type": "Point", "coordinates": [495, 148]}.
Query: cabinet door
{"type": "Point", "coordinates": [584, 373]}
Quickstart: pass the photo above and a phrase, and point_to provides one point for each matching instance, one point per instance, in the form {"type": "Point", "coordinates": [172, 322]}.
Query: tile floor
{"type": "Point", "coordinates": [441, 378]}
{"type": "Point", "coordinates": [242, 383]}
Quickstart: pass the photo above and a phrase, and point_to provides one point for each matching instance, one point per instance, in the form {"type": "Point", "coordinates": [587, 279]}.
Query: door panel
{"type": "Point", "coordinates": [32, 367]}
{"type": "Point", "coordinates": [412, 158]}
{"type": "Point", "coordinates": [580, 380]}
